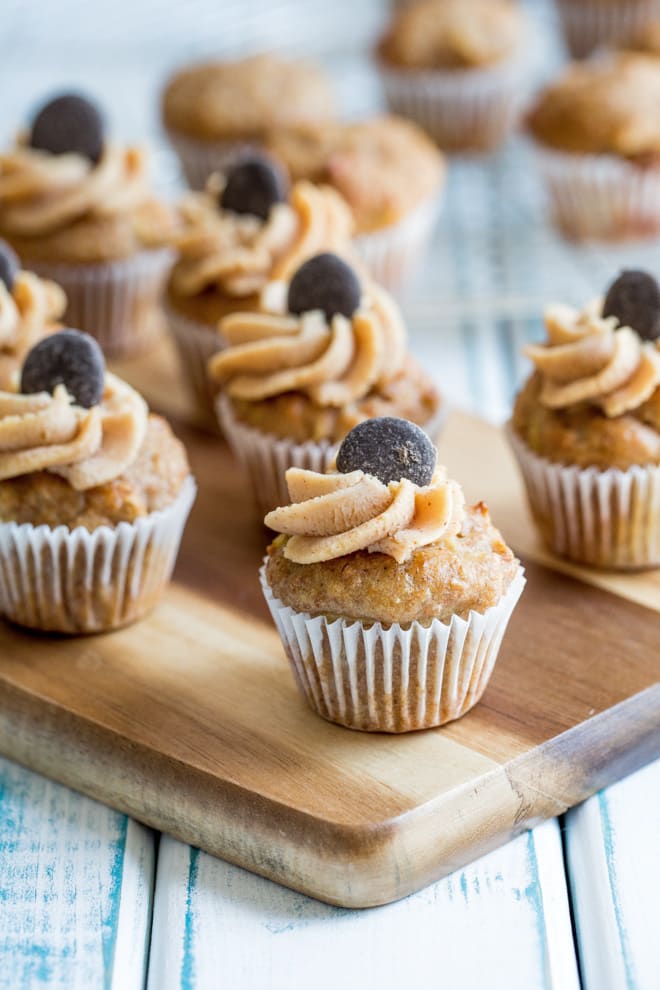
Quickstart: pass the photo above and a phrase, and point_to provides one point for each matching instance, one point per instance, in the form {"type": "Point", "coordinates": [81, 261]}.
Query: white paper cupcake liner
{"type": "Point", "coordinates": [591, 24]}
{"type": "Point", "coordinates": [76, 581]}
{"type": "Point", "coordinates": [392, 679]}
{"type": "Point", "coordinates": [605, 519]}
{"type": "Point", "coordinates": [392, 255]}
{"type": "Point", "coordinates": [196, 343]}
{"type": "Point", "coordinates": [118, 302]}
{"type": "Point", "coordinates": [600, 197]}
{"type": "Point", "coordinates": [463, 110]}
{"type": "Point", "coordinates": [266, 458]}
{"type": "Point", "coordinates": [200, 158]}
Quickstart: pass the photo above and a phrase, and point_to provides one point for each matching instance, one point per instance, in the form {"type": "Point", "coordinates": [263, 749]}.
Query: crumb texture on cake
{"type": "Point", "coordinates": [471, 572]}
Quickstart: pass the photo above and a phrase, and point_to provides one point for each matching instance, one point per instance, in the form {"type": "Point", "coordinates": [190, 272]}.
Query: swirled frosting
{"type": "Point", "coordinates": [239, 253]}
{"type": "Point", "coordinates": [332, 515]}
{"type": "Point", "coordinates": [27, 313]}
{"type": "Point", "coordinates": [590, 359]}
{"type": "Point", "coordinates": [334, 363]}
{"type": "Point", "coordinates": [41, 193]}
{"type": "Point", "coordinates": [87, 447]}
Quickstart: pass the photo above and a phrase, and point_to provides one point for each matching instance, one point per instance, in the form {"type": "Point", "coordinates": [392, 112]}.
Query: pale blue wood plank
{"type": "Point", "coordinates": [75, 889]}
{"type": "Point", "coordinates": [613, 855]}
{"type": "Point", "coordinates": [505, 920]}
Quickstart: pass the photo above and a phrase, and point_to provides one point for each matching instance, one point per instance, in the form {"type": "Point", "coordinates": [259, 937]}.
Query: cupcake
{"type": "Point", "coordinates": [215, 110]}
{"type": "Point", "coordinates": [591, 24]}
{"type": "Point", "coordinates": [586, 428]}
{"type": "Point", "coordinates": [77, 209]}
{"type": "Point", "coordinates": [390, 174]}
{"type": "Point", "coordinates": [597, 135]}
{"type": "Point", "coordinates": [390, 594]}
{"type": "Point", "coordinates": [94, 494]}
{"type": "Point", "coordinates": [246, 229]}
{"type": "Point", "coordinates": [294, 380]}
{"type": "Point", "coordinates": [30, 308]}
{"type": "Point", "coordinates": [455, 67]}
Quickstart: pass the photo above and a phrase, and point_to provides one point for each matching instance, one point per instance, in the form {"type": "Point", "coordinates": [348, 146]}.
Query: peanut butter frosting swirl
{"type": "Point", "coordinates": [334, 363]}
{"type": "Point", "coordinates": [87, 447]}
{"type": "Point", "coordinates": [27, 312]}
{"type": "Point", "coordinates": [42, 193]}
{"type": "Point", "coordinates": [332, 515]}
{"type": "Point", "coordinates": [590, 359]}
{"type": "Point", "coordinates": [239, 253]}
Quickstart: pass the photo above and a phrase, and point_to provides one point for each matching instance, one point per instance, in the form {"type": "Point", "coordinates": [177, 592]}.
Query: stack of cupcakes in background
{"type": "Point", "coordinates": [592, 24]}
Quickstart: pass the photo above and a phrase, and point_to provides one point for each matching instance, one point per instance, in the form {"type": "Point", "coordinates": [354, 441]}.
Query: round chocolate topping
{"type": "Point", "coordinates": [327, 283]}
{"type": "Point", "coordinates": [390, 449]}
{"type": "Point", "coordinates": [253, 185]}
{"type": "Point", "coordinates": [9, 265]}
{"type": "Point", "coordinates": [69, 124]}
{"type": "Point", "coordinates": [69, 358]}
{"type": "Point", "coordinates": [634, 298]}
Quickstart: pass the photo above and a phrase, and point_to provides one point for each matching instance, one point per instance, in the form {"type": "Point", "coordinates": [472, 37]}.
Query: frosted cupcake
{"type": "Point", "coordinates": [214, 111]}
{"type": "Point", "coordinates": [591, 24]}
{"type": "Point", "coordinates": [596, 131]}
{"type": "Point", "coordinates": [586, 428]}
{"type": "Point", "coordinates": [331, 352]}
{"type": "Point", "coordinates": [94, 494]}
{"type": "Point", "coordinates": [247, 228]}
{"type": "Point", "coordinates": [77, 209]}
{"type": "Point", "coordinates": [391, 595]}
{"type": "Point", "coordinates": [30, 308]}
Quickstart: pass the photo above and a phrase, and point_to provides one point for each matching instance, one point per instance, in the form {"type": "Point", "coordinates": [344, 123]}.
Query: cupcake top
{"type": "Point", "coordinates": [68, 194]}
{"type": "Point", "coordinates": [453, 34]}
{"type": "Point", "coordinates": [594, 398]}
{"type": "Point", "coordinates": [29, 309]}
{"type": "Point", "coordinates": [609, 105]}
{"type": "Point", "coordinates": [248, 228]}
{"type": "Point", "coordinates": [326, 337]}
{"type": "Point", "coordinates": [241, 100]}
{"type": "Point", "coordinates": [385, 535]}
{"type": "Point", "coordinates": [383, 167]}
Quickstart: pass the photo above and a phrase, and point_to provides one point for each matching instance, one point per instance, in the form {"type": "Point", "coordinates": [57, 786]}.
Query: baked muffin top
{"type": "Point", "coordinates": [594, 397]}
{"type": "Point", "coordinates": [452, 34]}
{"type": "Point", "coordinates": [383, 167]}
{"type": "Point", "coordinates": [609, 105]}
{"type": "Point", "coordinates": [241, 100]}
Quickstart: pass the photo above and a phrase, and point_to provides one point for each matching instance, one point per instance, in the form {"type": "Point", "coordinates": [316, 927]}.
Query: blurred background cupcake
{"type": "Point", "coordinates": [591, 24]}
{"type": "Point", "coordinates": [78, 210]}
{"type": "Point", "coordinates": [214, 110]}
{"type": "Point", "coordinates": [455, 67]}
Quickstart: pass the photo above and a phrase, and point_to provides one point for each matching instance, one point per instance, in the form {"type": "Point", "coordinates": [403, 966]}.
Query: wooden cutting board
{"type": "Point", "coordinates": [190, 720]}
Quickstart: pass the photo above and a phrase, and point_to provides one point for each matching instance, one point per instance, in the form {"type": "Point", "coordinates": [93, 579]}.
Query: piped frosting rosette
{"type": "Point", "coordinates": [28, 312]}
{"type": "Point", "coordinates": [600, 517]}
{"type": "Point", "coordinates": [80, 581]}
{"type": "Point", "coordinates": [364, 674]}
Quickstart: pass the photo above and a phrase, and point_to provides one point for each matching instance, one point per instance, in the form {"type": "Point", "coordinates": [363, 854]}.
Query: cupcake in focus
{"type": "Point", "coordinates": [596, 131]}
{"type": "Point", "coordinates": [214, 111]}
{"type": "Point", "coordinates": [591, 24]}
{"type": "Point", "coordinates": [390, 594]}
{"type": "Point", "coordinates": [30, 308]}
{"type": "Point", "coordinates": [77, 209]}
{"type": "Point", "coordinates": [388, 171]}
{"type": "Point", "coordinates": [246, 229]}
{"type": "Point", "coordinates": [294, 380]}
{"type": "Point", "coordinates": [456, 67]}
{"type": "Point", "coordinates": [586, 428]}
{"type": "Point", "coordinates": [94, 493]}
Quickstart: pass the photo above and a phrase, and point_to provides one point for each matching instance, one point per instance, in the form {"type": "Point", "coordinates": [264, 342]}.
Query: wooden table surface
{"type": "Point", "coordinates": [90, 899]}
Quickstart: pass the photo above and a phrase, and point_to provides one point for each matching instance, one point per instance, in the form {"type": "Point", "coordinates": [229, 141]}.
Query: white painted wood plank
{"type": "Point", "coordinates": [613, 855]}
{"type": "Point", "coordinates": [505, 919]}
{"type": "Point", "coordinates": [75, 889]}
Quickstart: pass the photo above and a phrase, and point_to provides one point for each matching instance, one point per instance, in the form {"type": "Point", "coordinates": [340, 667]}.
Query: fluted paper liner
{"type": "Point", "coordinates": [601, 518]}
{"type": "Point", "coordinates": [199, 159]}
{"type": "Point", "coordinates": [266, 458]}
{"type": "Point", "coordinates": [196, 343]}
{"type": "Point", "coordinates": [77, 581]}
{"type": "Point", "coordinates": [471, 109]}
{"type": "Point", "coordinates": [600, 197]}
{"type": "Point", "coordinates": [391, 255]}
{"type": "Point", "coordinates": [591, 24]}
{"type": "Point", "coordinates": [392, 679]}
{"type": "Point", "coordinates": [117, 302]}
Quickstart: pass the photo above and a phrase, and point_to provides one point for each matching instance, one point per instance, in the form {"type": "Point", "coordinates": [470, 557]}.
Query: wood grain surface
{"type": "Point", "coordinates": [190, 720]}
